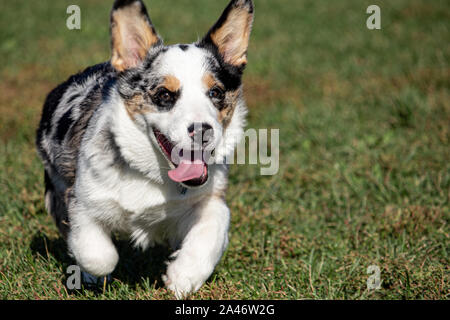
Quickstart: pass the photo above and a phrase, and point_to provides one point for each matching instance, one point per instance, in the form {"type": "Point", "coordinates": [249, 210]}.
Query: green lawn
{"type": "Point", "coordinates": [364, 119]}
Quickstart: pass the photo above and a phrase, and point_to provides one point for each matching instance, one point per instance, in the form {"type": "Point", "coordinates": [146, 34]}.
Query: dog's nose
{"type": "Point", "coordinates": [202, 131]}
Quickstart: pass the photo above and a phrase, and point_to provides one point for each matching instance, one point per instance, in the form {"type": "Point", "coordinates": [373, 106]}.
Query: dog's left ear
{"type": "Point", "coordinates": [231, 33]}
{"type": "Point", "coordinates": [132, 34]}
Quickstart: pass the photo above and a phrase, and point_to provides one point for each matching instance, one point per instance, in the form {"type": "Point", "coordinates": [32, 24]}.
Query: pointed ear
{"type": "Point", "coordinates": [132, 34]}
{"type": "Point", "coordinates": [231, 33]}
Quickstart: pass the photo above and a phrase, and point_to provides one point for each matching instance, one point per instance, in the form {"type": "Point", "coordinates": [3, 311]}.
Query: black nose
{"type": "Point", "coordinates": [201, 131]}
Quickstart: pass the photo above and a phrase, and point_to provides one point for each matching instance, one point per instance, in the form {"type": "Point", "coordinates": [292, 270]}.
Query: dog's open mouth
{"type": "Point", "coordinates": [191, 171]}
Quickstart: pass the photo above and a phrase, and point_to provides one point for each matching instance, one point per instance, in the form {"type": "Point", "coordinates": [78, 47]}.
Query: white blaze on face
{"type": "Point", "coordinates": [193, 104]}
{"type": "Point", "coordinates": [190, 70]}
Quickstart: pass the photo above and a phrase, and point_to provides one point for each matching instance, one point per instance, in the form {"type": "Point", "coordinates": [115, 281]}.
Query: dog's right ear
{"type": "Point", "coordinates": [132, 34]}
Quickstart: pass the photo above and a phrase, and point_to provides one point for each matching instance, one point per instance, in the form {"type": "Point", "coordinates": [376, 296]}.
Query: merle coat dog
{"type": "Point", "coordinates": [137, 145]}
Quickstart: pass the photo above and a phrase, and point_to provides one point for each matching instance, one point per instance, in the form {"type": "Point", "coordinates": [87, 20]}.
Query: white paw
{"type": "Point", "coordinates": [99, 259]}
{"type": "Point", "coordinates": [97, 263]}
{"type": "Point", "coordinates": [184, 278]}
{"type": "Point", "coordinates": [93, 250]}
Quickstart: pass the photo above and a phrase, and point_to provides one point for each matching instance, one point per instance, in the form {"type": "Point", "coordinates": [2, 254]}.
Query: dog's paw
{"type": "Point", "coordinates": [92, 281]}
{"type": "Point", "coordinates": [182, 279]}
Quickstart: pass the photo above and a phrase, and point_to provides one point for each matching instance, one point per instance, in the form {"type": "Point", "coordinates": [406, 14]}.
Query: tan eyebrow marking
{"type": "Point", "coordinates": [210, 81]}
{"type": "Point", "coordinates": [171, 83]}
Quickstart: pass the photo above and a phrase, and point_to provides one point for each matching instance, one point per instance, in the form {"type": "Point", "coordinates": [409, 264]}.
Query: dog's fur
{"type": "Point", "coordinates": [106, 172]}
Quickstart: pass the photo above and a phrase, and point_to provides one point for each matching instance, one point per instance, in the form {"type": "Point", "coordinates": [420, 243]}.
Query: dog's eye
{"type": "Point", "coordinates": [216, 93]}
{"type": "Point", "coordinates": [165, 99]}
{"type": "Point", "coordinates": [164, 95]}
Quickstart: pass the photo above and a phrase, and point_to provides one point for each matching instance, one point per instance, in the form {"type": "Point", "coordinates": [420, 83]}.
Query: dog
{"type": "Point", "coordinates": [136, 145]}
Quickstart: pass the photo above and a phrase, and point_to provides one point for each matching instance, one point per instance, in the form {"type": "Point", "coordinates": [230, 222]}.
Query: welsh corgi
{"type": "Point", "coordinates": [137, 144]}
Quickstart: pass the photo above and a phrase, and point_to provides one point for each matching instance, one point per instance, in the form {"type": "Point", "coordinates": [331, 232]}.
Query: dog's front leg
{"type": "Point", "coordinates": [90, 243]}
{"type": "Point", "coordinates": [205, 241]}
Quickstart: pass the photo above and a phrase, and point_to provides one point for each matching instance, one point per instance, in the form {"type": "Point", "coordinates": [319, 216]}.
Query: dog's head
{"type": "Point", "coordinates": [186, 98]}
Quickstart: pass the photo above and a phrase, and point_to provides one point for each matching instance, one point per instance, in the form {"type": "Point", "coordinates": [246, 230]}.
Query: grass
{"type": "Point", "coordinates": [364, 178]}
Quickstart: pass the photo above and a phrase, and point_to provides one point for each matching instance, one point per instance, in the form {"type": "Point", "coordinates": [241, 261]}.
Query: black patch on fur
{"type": "Point", "coordinates": [63, 125]}
{"type": "Point", "coordinates": [148, 62]}
{"type": "Point", "coordinates": [106, 90]}
{"type": "Point", "coordinates": [48, 182]}
{"type": "Point", "coordinates": [229, 75]}
{"type": "Point", "coordinates": [51, 102]}
{"type": "Point", "coordinates": [136, 77]}
{"type": "Point", "coordinates": [72, 98]}
{"type": "Point", "coordinates": [183, 47]}
{"type": "Point", "coordinates": [124, 3]}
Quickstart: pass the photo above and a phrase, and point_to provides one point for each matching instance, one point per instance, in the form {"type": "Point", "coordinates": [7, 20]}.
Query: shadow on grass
{"type": "Point", "coordinates": [133, 268]}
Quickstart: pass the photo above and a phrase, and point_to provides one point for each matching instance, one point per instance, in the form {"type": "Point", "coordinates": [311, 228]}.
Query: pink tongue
{"type": "Point", "coordinates": [187, 170]}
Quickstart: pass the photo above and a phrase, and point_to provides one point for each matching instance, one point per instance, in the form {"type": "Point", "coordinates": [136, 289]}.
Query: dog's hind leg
{"type": "Point", "coordinates": [55, 204]}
